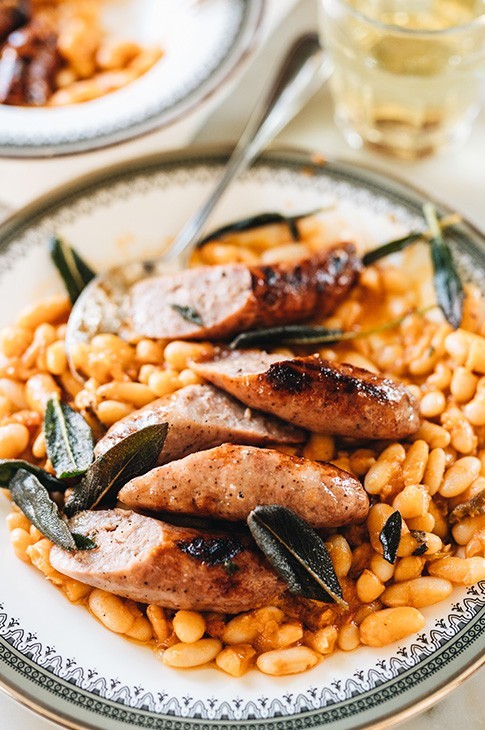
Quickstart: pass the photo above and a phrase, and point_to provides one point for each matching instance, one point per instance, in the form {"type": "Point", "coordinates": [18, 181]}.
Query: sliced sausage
{"type": "Point", "coordinates": [229, 481]}
{"type": "Point", "coordinates": [316, 394]}
{"type": "Point", "coordinates": [199, 417]}
{"type": "Point", "coordinates": [219, 301]}
{"type": "Point", "coordinates": [150, 561]}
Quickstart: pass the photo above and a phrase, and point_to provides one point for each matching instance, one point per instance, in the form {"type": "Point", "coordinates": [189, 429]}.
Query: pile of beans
{"type": "Point", "coordinates": [425, 477]}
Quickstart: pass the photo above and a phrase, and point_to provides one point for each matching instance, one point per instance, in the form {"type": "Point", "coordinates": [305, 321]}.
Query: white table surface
{"type": "Point", "coordinates": [456, 178]}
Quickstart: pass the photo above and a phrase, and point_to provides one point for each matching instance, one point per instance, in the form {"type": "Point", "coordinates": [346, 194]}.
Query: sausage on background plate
{"type": "Point", "coordinates": [199, 417]}
{"type": "Point", "coordinates": [220, 301]}
{"type": "Point", "coordinates": [229, 481]}
{"type": "Point", "coordinates": [150, 561]}
{"type": "Point", "coordinates": [316, 394]}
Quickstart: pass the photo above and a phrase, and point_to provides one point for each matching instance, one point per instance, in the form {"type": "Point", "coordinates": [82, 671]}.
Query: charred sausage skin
{"type": "Point", "coordinates": [229, 481]}
{"type": "Point", "coordinates": [316, 394]}
{"type": "Point", "coordinates": [234, 298]}
{"type": "Point", "coordinates": [149, 561]}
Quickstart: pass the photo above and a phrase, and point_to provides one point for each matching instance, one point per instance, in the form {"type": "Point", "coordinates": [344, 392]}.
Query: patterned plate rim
{"type": "Point", "coordinates": [463, 649]}
{"type": "Point", "coordinates": [236, 56]}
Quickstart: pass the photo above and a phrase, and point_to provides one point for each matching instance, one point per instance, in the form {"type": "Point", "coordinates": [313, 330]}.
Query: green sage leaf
{"type": "Point", "coordinates": [83, 542]}
{"type": "Point", "coordinates": [259, 221]}
{"type": "Point", "coordinates": [9, 467]}
{"type": "Point", "coordinates": [34, 501]}
{"type": "Point", "coordinates": [447, 283]}
{"type": "Point", "coordinates": [189, 314]}
{"type": "Point", "coordinates": [296, 552]}
{"type": "Point", "coordinates": [129, 458]}
{"type": "Point", "coordinates": [75, 272]}
{"type": "Point", "coordinates": [69, 440]}
{"type": "Point", "coordinates": [390, 537]}
{"type": "Point", "coordinates": [300, 334]}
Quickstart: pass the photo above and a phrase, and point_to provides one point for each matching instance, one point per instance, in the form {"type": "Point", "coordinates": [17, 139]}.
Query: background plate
{"type": "Point", "coordinates": [203, 42]}
{"type": "Point", "coordinates": [55, 656]}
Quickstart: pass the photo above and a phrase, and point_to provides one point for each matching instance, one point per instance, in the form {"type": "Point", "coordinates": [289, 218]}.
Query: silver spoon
{"type": "Point", "coordinates": [104, 304]}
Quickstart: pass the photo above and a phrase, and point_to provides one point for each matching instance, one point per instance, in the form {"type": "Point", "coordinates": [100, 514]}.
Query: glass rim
{"type": "Point", "coordinates": [471, 25]}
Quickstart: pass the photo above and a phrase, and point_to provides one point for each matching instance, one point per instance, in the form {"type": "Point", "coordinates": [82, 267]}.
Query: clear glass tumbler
{"type": "Point", "coordinates": [407, 74]}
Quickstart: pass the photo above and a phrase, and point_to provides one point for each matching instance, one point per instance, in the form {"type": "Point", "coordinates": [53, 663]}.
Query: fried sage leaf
{"type": "Point", "coordinates": [296, 552]}
{"type": "Point", "coordinates": [473, 507]}
{"type": "Point", "coordinates": [302, 334]}
{"type": "Point", "coordinates": [420, 538]}
{"type": "Point", "coordinates": [75, 272]}
{"type": "Point", "coordinates": [399, 244]}
{"type": "Point", "coordinates": [189, 314]}
{"type": "Point", "coordinates": [69, 440]}
{"type": "Point", "coordinates": [447, 283]}
{"type": "Point", "coordinates": [390, 536]}
{"type": "Point", "coordinates": [258, 221]}
{"type": "Point", "coordinates": [9, 467]}
{"type": "Point", "coordinates": [129, 458]}
{"type": "Point", "coordinates": [34, 501]}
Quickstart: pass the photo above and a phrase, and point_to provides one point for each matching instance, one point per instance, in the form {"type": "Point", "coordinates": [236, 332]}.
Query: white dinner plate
{"type": "Point", "coordinates": [53, 655]}
{"type": "Point", "coordinates": [203, 41]}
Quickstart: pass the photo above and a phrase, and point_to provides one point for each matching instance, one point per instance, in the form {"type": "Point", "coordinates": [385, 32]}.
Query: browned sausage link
{"type": "Point", "coordinates": [235, 298]}
{"type": "Point", "coordinates": [150, 561]}
{"type": "Point", "coordinates": [229, 481]}
{"type": "Point", "coordinates": [294, 291]}
{"type": "Point", "coordinates": [199, 417]}
{"type": "Point", "coordinates": [316, 394]}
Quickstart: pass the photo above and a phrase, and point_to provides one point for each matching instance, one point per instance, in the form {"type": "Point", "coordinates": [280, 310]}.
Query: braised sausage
{"type": "Point", "coordinates": [199, 417]}
{"type": "Point", "coordinates": [150, 561]}
{"type": "Point", "coordinates": [229, 481]}
{"type": "Point", "coordinates": [220, 301]}
{"type": "Point", "coordinates": [317, 394]}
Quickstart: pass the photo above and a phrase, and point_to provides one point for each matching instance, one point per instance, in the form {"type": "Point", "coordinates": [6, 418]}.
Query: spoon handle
{"type": "Point", "coordinates": [304, 70]}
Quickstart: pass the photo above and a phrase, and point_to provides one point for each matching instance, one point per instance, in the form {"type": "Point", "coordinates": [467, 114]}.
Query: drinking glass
{"type": "Point", "coordinates": [406, 74]}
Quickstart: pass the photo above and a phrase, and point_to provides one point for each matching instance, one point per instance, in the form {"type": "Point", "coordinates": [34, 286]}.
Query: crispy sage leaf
{"type": "Point", "coordinates": [9, 467]}
{"type": "Point", "coordinates": [188, 313]}
{"type": "Point", "coordinates": [302, 334]}
{"type": "Point", "coordinates": [390, 536]}
{"type": "Point", "coordinates": [258, 221]}
{"type": "Point", "coordinates": [69, 440]}
{"type": "Point", "coordinates": [75, 272]}
{"type": "Point", "coordinates": [83, 542]}
{"type": "Point", "coordinates": [420, 538]}
{"type": "Point", "coordinates": [399, 244]}
{"type": "Point", "coordinates": [296, 552]}
{"type": "Point", "coordinates": [473, 507]}
{"type": "Point", "coordinates": [447, 283]}
{"type": "Point", "coordinates": [129, 458]}
{"type": "Point", "coordinates": [34, 501]}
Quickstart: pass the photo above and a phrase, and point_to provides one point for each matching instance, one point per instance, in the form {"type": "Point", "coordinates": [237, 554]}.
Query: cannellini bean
{"type": "Point", "coordinates": [14, 439]}
{"type": "Point", "coordinates": [369, 587]}
{"type": "Point", "coordinates": [460, 475]}
{"type": "Point", "coordinates": [196, 654]}
{"type": "Point", "coordinates": [466, 528]}
{"type": "Point", "coordinates": [178, 354]}
{"type": "Point", "coordinates": [435, 469]}
{"type": "Point", "coordinates": [322, 640]}
{"type": "Point", "coordinates": [462, 571]}
{"type": "Point", "coordinates": [319, 447]}
{"type": "Point", "coordinates": [390, 625]}
{"type": "Point", "coordinates": [236, 660]}
{"type": "Point", "coordinates": [409, 567]}
{"type": "Point", "coordinates": [463, 385]}
{"type": "Point", "coordinates": [340, 554]}
{"type": "Point", "coordinates": [38, 389]}
{"type": "Point", "coordinates": [294, 660]}
{"type": "Point", "coordinates": [432, 404]}
{"type": "Point", "coordinates": [189, 626]}
{"type": "Point", "coordinates": [413, 501]}
{"type": "Point", "coordinates": [414, 464]}
{"type": "Point", "coordinates": [111, 611]}
{"type": "Point", "coordinates": [137, 394]}
{"type": "Point", "coordinates": [417, 592]}
{"type": "Point", "coordinates": [46, 311]}
{"type": "Point", "coordinates": [111, 411]}
{"type": "Point", "coordinates": [15, 340]}
{"type": "Point", "coordinates": [381, 568]}
{"type": "Point", "coordinates": [21, 540]}
{"type": "Point", "coordinates": [349, 637]}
